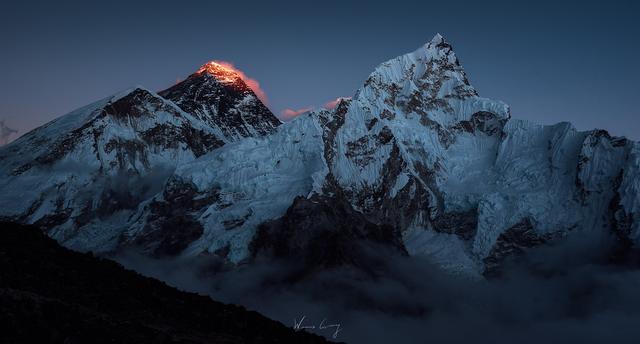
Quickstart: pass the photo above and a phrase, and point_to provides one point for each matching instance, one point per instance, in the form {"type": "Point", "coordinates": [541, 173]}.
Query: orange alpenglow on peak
{"type": "Point", "coordinates": [226, 72]}
{"type": "Point", "coordinates": [223, 71]}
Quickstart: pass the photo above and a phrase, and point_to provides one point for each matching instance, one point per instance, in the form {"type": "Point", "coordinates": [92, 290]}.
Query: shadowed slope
{"type": "Point", "coordinates": [51, 294]}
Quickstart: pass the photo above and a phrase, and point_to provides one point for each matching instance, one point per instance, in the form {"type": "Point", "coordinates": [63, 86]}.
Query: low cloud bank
{"type": "Point", "coordinates": [567, 292]}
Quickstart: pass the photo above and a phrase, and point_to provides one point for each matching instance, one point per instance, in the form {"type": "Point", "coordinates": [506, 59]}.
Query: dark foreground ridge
{"type": "Point", "coordinates": [49, 294]}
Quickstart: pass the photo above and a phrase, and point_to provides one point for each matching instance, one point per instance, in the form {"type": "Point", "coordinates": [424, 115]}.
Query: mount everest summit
{"type": "Point", "coordinates": [416, 160]}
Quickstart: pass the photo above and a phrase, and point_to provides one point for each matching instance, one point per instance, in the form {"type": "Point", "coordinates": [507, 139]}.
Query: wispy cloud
{"type": "Point", "coordinates": [288, 114]}
{"type": "Point", "coordinates": [333, 103]}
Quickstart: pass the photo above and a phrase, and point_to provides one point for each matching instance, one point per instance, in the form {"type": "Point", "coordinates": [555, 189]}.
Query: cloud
{"type": "Point", "coordinates": [5, 133]}
{"type": "Point", "coordinates": [333, 103]}
{"type": "Point", "coordinates": [288, 114]}
{"type": "Point", "coordinates": [255, 87]}
{"type": "Point", "coordinates": [565, 292]}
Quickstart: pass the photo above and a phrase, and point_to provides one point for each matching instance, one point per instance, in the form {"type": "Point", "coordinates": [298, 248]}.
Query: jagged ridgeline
{"type": "Point", "coordinates": [416, 157]}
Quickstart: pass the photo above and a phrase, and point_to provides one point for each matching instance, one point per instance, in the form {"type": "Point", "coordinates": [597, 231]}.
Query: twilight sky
{"type": "Point", "coordinates": [550, 60]}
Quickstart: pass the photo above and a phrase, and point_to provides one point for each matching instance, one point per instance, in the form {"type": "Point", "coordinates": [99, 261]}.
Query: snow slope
{"type": "Point", "coordinates": [83, 174]}
{"type": "Point", "coordinates": [245, 183]}
{"type": "Point", "coordinates": [418, 148]}
{"type": "Point", "coordinates": [415, 148]}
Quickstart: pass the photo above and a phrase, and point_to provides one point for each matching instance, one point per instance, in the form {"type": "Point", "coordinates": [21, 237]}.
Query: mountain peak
{"type": "Point", "coordinates": [437, 39]}
{"type": "Point", "coordinates": [438, 42]}
{"type": "Point", "coordinates": [226, 99]}
{"type": "Point", "coordinates": [222, 71]}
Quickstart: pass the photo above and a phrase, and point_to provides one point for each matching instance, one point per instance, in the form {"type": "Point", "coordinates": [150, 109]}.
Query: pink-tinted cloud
{"type": "Point", "coordinates": [332, 104]}
{"type": "Point", "coordinates": [254, 85]}
{"type": "Point", "coordinates": [288, 114]}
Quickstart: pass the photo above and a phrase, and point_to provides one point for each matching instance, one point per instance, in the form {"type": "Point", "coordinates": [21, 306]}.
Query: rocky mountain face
{"type": "Point", "coordinates": [417, 148]}
{"type": "Point", "coordinates": [416, 152]}
{"type": "Point", "coordinates": [321, 232]}
{"type": "Point", "coordinates": [83, 174]}
{"type": "Point", "coordinates": [218, 96]}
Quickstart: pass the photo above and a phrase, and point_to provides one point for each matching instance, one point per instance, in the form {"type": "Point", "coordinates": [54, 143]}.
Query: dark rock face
{"type": "Point", "coordinates": [361, 150]}
{"type": "Point", "coordinates": [588, 184]}
{"type": "Point", "coordinates": [513, 242]}
{"type": "Point", "coordinates": [378, 202]}
{"type": "Point", "coordinates": [483, 121]}
{"type": "Point", "coordinates": [172, 224]}
{"type": "Point", "coordinates": [139, 104]}
{"type": "Point", "coordinates": [331, 128]}
{"type": "Point", "coordinates": [167, 136]}
{"type": "Point", "coordinates": [237, 222]}
{"type": "Point", "coordinates": [621, 222]}
{"type": "Point", "coordinates": [232, 107]}
{"type": "Point", "coordinates": [323, 232]}
{"type": "Point", "coordinates": [49, 294]}
{"type": "Point", "coordinates": [463, 224]}
{"type": "Point", "coordinates": [388, 115]}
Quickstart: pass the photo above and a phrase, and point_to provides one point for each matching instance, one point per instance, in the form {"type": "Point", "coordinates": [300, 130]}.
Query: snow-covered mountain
{"type": "Point", "coordinates": [466, 184]}
{"type": "Point", "coordinates": [82, 174]}
{"type": "Point", "coordinates": [416, 150]}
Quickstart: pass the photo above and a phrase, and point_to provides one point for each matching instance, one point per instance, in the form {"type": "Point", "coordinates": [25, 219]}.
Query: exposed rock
{"type": "Point", "coordinates": [230, 106]}
{"type": "Point", "coordinates": [462, 224]}
{"type": "Point", "coordinates": [513, 242]}
{"type": "Point", "coordinates": [483, 121]}
{"type": "Point", "coordinates": [173, 222]}
{"type": "Point", "coordinates": [323, 232]}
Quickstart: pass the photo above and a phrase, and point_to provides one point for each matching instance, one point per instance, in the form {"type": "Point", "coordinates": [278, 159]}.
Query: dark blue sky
{"type": "Point", "coordinates": [551, 61]}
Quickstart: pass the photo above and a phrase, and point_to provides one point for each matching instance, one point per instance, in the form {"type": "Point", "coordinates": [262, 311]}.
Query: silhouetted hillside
{"type": "Point", "coordinates": [49, 294]}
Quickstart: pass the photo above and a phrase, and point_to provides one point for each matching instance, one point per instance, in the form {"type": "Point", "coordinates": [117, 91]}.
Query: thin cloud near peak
{"type": "Point", "coordinates": [288, 114]}
{"type": "Point", "coordinates": [333, 103]}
